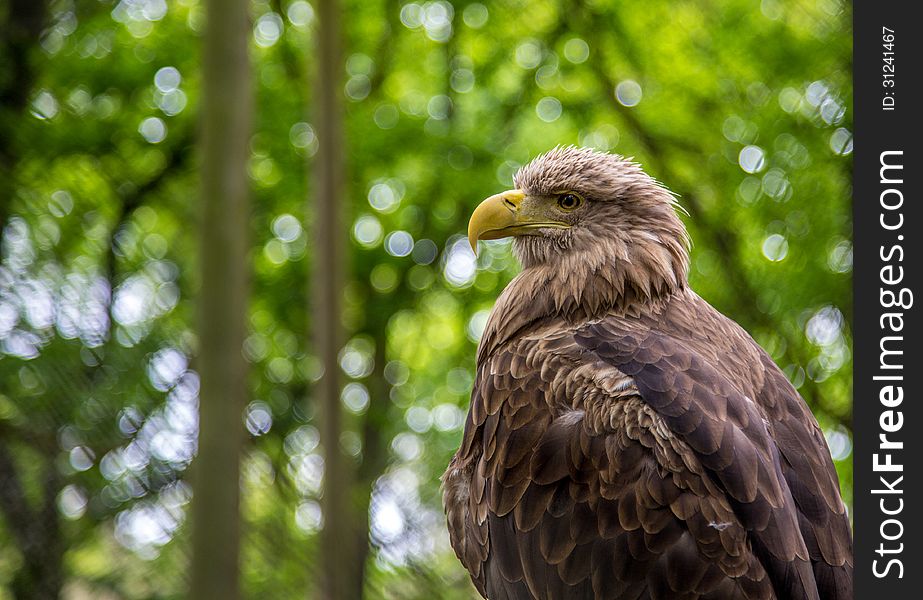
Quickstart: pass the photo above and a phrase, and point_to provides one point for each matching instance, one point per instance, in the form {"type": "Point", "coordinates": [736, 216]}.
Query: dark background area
{"type": "Point", "coordinates": [886, 566]}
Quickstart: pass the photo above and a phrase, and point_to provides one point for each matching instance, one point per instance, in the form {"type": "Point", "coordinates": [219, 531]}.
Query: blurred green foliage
{"type": "Point", "coordinates": [742, 108]}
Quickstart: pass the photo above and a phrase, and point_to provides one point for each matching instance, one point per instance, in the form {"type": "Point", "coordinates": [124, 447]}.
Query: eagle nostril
{"type": "Point", "coordinates": [509, 204]}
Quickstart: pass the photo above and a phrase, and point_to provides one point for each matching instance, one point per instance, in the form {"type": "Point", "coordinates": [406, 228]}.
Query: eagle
{"type": "Point", "coordinates": [625, 439]}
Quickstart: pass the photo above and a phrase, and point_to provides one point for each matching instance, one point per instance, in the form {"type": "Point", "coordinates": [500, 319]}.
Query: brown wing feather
{"type": "Point", "coordinates": [800, 466]}
{"type": "Point", "coordinates": [576, 504]}
{"type": "Point", "coordinates": [642, 459]}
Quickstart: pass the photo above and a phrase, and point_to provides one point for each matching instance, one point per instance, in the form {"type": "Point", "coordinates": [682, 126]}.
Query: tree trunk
{"type": "Point", "coordinates": [339, 577]}
{"type": "Point", "coordinates": [19, 36]}
{"type": "Point", "coordinates": [35, 530]}
{"type": "Point", "coordinates": [226, 129]}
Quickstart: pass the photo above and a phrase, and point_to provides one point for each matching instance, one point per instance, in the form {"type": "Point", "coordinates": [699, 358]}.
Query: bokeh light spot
{"type": "Point", "coordinates": [367, 231]}
{"type": "Point", "coordinates": [775, 247]}
{"type": "Point", "coordinates": [167, 79]}
{"type": "Point", "coordinates": [549, 109]}
{"type": "Point", "coordinates": [751, 159]}
{"type": "Point", "coordinates": [841, 141]}
{"type": "Point", "coordinates": [153, 130]}
{"type": "Point", "coordinates": [528, 54]}
{"type": "Point", "coordinates": [286, 227]}
{"type": "Point", "coordinates": [399, 243]}
{"type": "Point", "coordinates": [300, 13]}
{"type": "Point", "coordinates": [628, 93]}
{"type": "Point", "coordinates": [576, 50]}
{"type": "Point", "coordinates": [475, 15]}
{"type": "Point", "coordinates": [267, 30]}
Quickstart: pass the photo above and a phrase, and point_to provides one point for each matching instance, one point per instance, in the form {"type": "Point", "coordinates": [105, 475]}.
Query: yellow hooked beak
{"type": "Point", "coordinates": [502, 216]}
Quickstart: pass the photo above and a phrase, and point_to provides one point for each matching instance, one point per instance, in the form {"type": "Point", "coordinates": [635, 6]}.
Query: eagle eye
{"type": "Point", "coordinates": [569, 201]}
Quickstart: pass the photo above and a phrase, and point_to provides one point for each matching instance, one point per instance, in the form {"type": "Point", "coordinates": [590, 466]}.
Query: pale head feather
{"type": "Point", "coordinates": [626, 251]}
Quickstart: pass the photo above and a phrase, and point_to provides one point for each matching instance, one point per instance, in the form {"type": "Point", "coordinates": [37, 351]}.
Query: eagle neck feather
{"type": "Point", "coordinates": [614, 278]}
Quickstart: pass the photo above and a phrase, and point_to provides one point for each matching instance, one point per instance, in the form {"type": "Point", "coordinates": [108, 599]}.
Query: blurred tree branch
{"type": "Point", "coordinates": [384, 47]}
{"type": "Point", "coordinates": [131, 197]}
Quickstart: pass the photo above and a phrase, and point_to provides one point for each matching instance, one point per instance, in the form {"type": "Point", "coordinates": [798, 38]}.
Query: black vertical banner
{"type": "Point", "coordinates": [888, 261]}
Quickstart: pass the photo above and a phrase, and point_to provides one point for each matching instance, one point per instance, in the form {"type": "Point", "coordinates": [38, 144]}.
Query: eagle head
{"type": "Point", "coordinates": [590, 218]}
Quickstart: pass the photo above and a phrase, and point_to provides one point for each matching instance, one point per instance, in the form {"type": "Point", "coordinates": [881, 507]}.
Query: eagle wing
{"type": "Point", "coordinates": [625, 459]}
{"type": "Point", "coordinates": [753, 434]}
